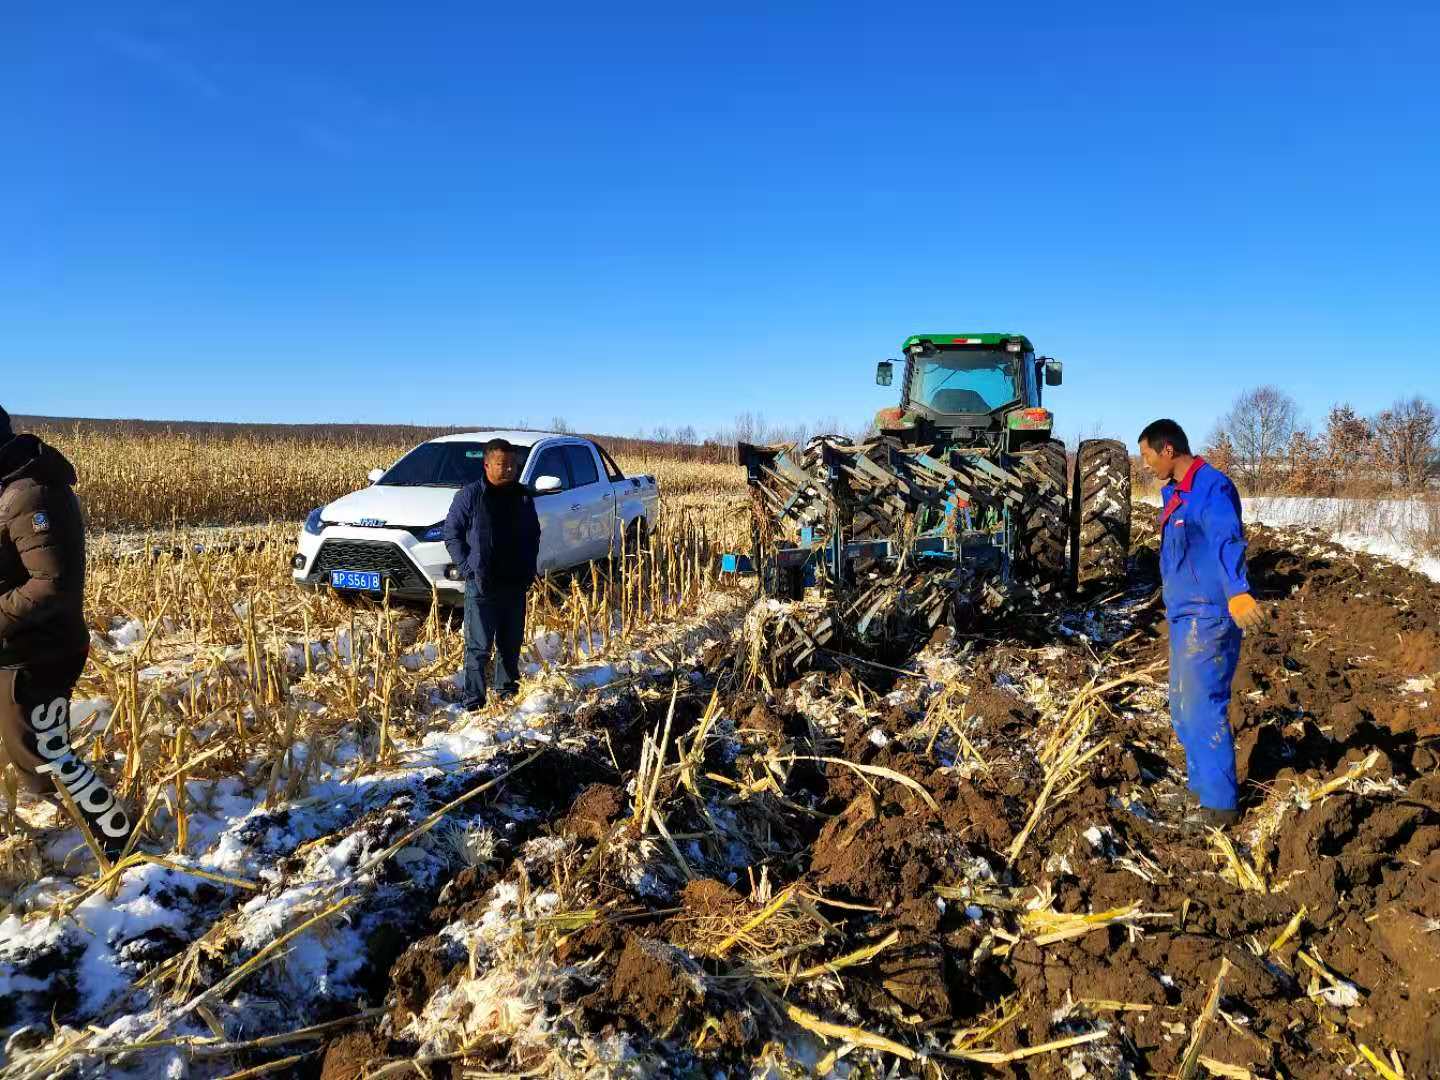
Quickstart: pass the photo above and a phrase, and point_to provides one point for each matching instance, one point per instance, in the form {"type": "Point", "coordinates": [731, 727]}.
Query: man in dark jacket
{"type": "Point", "coordinates": [493, 535]}
{"type": "Point", "coordinates": [1207, 604]}
{"type": "Point", "coordinates": [43, 637]}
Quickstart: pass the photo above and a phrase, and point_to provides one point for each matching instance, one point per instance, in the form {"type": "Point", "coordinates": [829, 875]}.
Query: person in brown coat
{"type": "Point", "coordinates": [43, 637]}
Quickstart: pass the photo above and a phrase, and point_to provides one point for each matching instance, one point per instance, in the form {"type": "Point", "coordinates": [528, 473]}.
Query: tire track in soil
{"type": "Point", "coordinates": [594, 945]}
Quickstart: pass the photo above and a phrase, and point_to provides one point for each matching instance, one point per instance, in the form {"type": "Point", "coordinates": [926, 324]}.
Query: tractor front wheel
{"type": "Point", "coordinates": [1100, 515]}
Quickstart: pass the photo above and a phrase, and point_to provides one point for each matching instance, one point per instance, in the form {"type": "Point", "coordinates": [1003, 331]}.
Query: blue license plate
{"type": "Point", "coordinates": [364, 580]}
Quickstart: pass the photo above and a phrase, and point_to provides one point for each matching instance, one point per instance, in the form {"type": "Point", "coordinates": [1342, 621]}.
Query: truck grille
{"type": "Point", "coordinates": [378, 555]}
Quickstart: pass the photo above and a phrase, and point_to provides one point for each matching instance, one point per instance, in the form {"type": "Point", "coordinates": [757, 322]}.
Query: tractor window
{"type": "Point", "coordinates": [965, 380]}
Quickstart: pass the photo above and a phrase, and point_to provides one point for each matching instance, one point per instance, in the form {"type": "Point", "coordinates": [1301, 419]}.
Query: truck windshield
{"type": "Point", "coordinates": [965, 380]}
{"type": "Point", "coordinates": [443, 464]}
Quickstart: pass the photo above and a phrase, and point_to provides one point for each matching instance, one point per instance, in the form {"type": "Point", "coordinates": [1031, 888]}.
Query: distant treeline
{"type": "Point", "coordinates": [351, 435]}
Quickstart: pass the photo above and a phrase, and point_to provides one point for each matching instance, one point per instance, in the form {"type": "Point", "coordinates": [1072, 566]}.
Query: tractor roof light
{"type": "Point", "coordinates": [1014, 345]}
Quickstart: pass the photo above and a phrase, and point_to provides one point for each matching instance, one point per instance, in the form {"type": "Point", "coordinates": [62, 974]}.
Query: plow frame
{"type": "Point", "coordinates": [944, 542]}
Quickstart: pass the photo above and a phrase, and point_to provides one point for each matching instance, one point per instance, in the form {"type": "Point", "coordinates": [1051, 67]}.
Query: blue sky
{"type": "Point", "coordinates": [631, 215]}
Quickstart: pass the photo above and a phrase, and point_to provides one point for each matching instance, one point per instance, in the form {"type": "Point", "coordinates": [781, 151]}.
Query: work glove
{"type": "Point", "coordinates": [1248, 614]}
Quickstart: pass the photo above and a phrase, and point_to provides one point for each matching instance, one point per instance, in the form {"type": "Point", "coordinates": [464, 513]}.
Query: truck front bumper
{"type": "Point", "coordinates": [409, 569]}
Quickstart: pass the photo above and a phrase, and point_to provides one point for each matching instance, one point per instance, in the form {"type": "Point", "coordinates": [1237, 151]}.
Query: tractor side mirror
{"type": "Point", "coordinates": [884, 373]}
{"type": "Point", "coordinates": [1054, 372]}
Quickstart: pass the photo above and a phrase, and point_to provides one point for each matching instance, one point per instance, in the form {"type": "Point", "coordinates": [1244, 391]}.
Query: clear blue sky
{"type": "Point", "coordinates": [632, 215]}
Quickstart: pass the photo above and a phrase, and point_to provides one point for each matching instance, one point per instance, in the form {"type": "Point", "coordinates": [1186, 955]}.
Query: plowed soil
{"type": "Point", "coordinates": [827, 883]}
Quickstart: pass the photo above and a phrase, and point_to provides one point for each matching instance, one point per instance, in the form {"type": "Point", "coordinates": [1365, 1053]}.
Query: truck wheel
{"type": "Point", "coordinates": [1045, 531]}
{"type": "Point", "coordinates": [1100, 515]}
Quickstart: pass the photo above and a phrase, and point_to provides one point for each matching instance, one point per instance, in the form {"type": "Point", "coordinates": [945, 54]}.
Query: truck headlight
{"type": "Point", "coordinates": [314, 524]}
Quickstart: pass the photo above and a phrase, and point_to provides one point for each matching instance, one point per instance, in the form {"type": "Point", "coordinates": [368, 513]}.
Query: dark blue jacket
{"type": "Point", "coordinates": [1202, 545]}
{"type": "Point", "coordinates": [494, 554]}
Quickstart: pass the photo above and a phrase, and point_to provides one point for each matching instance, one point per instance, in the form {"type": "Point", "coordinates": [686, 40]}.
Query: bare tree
{"type": "Point", "coordinates": [1406, 436]}
{"type": "Point", "coordinates": [558, 424]}
{"type": "Point", "coordinates": [1260, 425]}
{"type": "Point", "coordinates": [1306, 471]}
{"type": "Point", "coordinates": [1347, 444]}
{"type": "Point", "coordinates": [750, 427]}
{"type": "Point", "coordinates": [1220, 451]}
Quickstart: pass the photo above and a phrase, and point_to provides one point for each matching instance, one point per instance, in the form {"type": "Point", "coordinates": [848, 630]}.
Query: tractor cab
{"type": "Point", "coordinates": [961, 387]}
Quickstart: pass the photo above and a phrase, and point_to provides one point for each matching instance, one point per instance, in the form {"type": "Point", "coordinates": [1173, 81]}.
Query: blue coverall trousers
{"type": "Point", "coordinates": [1204, 653]}
{"type": "Point", "coordinates": [494, 622]}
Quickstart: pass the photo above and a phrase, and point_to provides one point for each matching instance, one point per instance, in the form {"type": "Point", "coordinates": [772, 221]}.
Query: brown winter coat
{"type": "Point", "coordinates": [42, 557]}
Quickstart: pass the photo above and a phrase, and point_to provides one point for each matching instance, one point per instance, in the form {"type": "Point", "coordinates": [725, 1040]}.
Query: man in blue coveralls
{"type": "Point", "coordinates": [1207, 604]}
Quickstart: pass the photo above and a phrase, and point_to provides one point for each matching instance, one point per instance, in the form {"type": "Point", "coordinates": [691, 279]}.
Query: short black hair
{"type": "Point", "coordinates": [498, 443]}
{"type": "Point", "coordinates": [1161, 433]}
{"type": "Point", "coordinates": [6, 431]}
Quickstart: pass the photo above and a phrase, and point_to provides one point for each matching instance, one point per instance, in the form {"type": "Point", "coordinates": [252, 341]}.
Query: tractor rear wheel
{"type": "Point", "coordinates": [1100, 515]}
{"type": "Point", "coordinates": [1046, 530]}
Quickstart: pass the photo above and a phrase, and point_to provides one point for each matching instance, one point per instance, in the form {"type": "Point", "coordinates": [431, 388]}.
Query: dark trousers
{"type": "Point", "coordinates": [494, 621]}
{"type": "Point", "coordinates": [35, 732]}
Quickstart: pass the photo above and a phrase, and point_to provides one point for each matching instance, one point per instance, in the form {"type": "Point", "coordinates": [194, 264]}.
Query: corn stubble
{"type": "Point", "coordinates": [159, 480]}
{"type": "Point", "coordinates": [240, 673]}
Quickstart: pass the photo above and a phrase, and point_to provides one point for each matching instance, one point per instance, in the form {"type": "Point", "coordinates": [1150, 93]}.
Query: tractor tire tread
{"type": "Point", "coordinates": [1045, 517]}
{"type": "Point", "coordinates": [1100, 515]}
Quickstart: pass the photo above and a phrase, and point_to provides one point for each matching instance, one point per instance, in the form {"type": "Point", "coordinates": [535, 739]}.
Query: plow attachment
{"type": "Point", "coordinates": [864, 544]}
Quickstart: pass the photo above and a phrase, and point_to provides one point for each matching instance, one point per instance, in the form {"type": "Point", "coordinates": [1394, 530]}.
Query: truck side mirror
{"type": "Point", "coordinates": [375, 475]}
{"type": "Point", "coordinates": [1054, 371]}
{"type": "Point", "coordinates": [545, 485]}
{"type": "Point", "coordinates": [884, 372]}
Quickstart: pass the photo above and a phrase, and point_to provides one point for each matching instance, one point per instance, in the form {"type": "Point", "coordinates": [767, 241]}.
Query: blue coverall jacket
{"type": "Point", "coordinates": [1202, 565]}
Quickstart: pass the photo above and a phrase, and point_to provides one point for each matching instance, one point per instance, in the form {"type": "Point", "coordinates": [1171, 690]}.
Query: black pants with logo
{"type": "Point", "coordinates": [35, 731]}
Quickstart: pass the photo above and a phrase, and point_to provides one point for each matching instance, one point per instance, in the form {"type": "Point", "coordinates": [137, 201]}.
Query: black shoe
{"type": "Point", "coordinates": [473, 705]}
{"type": "Point", "coordinates": [1208, 817]}
{"type": "Point", "coordinates": [508, 693]}
{"type": "Point", "coordinates": [113, 847]}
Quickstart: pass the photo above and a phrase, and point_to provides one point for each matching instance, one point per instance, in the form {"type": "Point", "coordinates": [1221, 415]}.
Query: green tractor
{"type": "Point", "coordinates": [982, 396]}
{"type": "Point", "coordinates": [959, 501]}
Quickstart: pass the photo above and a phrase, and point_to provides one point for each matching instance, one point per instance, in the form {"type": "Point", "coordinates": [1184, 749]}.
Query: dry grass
{"type": "Point", "coordinates": [1428, 535]}
{"type": "Point", "coordinates": [160, 480]}
{"type": "Point", "coordinates": [226, 638]}
{"type": "Point", "coordinates": [227, 635]}
{"type": "Point", "coordinates": [239, 673]}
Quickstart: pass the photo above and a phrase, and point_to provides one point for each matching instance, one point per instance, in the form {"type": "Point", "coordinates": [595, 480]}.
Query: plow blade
{"type": "Point", "coordinates": [860, 544]}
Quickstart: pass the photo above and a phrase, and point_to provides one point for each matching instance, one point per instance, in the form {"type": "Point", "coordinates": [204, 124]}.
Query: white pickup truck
{"type": "Point", "coordinates": [390, 533]}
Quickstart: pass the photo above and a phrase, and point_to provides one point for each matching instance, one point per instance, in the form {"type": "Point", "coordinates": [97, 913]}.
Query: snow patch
{"type": "Point", "coordinates": [1394, 529]}
{"type": "Point", "coordinates": [127, 634]}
